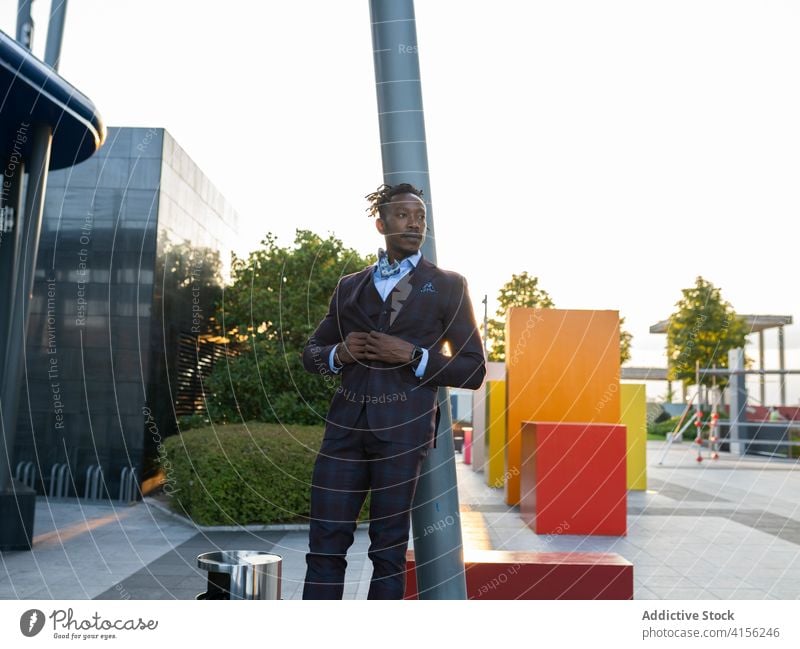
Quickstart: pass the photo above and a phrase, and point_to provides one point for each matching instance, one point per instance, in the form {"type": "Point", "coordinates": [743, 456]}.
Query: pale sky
{"type": "Point", "coordinates": [614, 149]}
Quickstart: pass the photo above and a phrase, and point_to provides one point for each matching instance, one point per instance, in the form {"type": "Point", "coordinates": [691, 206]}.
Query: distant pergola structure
{"type": "Point", "coordinates": [646, 374]}
{"type": "Point", "coordinates": [755, 324]}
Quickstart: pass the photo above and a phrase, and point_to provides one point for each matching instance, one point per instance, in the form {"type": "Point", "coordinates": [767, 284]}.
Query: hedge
{"type": "Point", "coordinates": [241, 474]}
{"type": "Point", "coordinates": [663, 427]}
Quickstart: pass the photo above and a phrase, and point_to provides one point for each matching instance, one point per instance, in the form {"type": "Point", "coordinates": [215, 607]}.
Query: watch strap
{"type": "Point", "coordinates": [416, 357]}
{"type": "Point", "coordinates": [336, 358]}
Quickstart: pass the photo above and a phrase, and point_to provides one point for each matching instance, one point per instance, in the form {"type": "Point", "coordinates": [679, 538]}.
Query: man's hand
{"type": "Point", "coordinates": [354, 347]}
{"type": "Point", "coordinates": [386, 348]}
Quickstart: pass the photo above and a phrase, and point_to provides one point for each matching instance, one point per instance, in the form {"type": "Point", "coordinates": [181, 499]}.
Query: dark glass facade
{"type": "Point", "coordinates": [133, 252]}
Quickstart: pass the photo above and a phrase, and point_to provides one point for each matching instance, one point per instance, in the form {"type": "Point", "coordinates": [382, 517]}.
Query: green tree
{"type": "Point", "coordinates": [703, 328]}
{"type": "Point", "coordinates": [522, 291]}
{"type": "Point", "coordinates": [277, 297]}
{"type": "Point", "coordinates": [625, 339]}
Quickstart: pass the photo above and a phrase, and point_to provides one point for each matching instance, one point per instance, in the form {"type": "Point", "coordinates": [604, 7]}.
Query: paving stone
{"type": "Point", "coordinates": [729, 529]}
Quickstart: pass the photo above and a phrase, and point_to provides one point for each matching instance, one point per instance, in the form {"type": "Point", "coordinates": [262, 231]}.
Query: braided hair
{"type": "Point", "coordinates": [385, 193]}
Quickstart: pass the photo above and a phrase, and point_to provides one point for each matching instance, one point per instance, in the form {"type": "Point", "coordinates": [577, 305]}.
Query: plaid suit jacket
{"type": "Point", "coordinates": [432, 306]}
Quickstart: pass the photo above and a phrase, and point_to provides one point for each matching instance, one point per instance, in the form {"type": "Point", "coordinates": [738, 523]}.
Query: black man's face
{"type": "Point", "coordinates": [403, 224]}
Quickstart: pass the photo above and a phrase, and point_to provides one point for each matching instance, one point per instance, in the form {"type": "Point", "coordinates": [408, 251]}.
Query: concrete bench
{"type": "Point", "coordinates": [497, 574]}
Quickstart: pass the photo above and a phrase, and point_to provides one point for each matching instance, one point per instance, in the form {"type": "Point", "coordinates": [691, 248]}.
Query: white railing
{"type": "Point", "coordinates": [59, 483]}
{"type": "Point", "coordinates": [26, 474]}
{"type": "Point", "coordinates": [94, 488]}
{"type": "Point", "coordinates": [128, 485]}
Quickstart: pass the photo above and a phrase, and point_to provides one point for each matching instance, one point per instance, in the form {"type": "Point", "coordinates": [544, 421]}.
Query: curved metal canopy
{"type": "Point", "coordinates": [32, 92]}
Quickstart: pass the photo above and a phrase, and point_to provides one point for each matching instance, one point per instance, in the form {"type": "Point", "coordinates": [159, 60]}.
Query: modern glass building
{"type": "Point", "coordinates": [134, 248]}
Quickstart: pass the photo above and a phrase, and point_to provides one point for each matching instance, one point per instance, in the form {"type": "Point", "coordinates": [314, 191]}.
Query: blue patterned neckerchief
{"type": "Point", "coordinates": [386, 269]}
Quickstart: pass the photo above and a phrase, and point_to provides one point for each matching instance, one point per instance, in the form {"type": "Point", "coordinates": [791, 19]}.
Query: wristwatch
{"type": "Point", "coordinates": [336, 360]}
{"type": "Point", "coordinates": [416, 357]}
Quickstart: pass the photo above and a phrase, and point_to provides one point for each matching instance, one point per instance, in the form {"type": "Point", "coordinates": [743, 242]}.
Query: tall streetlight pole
{"type": "Point", "coordinates": [24, 33]}
{"type": "Point", "coordinates": [438, 554]}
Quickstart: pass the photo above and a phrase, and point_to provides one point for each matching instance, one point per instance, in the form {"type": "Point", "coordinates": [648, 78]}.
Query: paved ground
{"type": "Point", "coordinates": [718, 530]}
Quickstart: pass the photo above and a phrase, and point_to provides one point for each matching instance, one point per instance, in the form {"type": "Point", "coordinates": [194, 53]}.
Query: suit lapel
{"type": "Point", "coordinates": [351, 303]}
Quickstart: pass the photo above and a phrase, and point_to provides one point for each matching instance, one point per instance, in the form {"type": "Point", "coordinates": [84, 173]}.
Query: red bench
{"type": "Point", "coordinates": [497, 574]}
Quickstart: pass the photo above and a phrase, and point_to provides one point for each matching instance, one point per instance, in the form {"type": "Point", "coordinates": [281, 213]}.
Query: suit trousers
{"type": "Point", "coordinates": [344, 471]}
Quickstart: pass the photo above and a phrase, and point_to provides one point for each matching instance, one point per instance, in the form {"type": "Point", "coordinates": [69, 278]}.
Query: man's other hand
{"type": "Point", "coordinates": [386, 348]}
{"type": "Point", "coordinates": [354, 347]}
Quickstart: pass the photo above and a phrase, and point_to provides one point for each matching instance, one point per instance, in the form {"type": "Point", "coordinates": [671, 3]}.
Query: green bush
{"type": "Point", "coordinates": [242, 474]}
{"type": "Point", "coordinates": [663, 427]}
{"type": "Point", "coordinates": [267, 385]}
{"type": "Point", "coordinates": [196, 420]}
{"type": "Point", "coordinates": [278, 296]}
{"type": "Point", "coordinates": [794, 436]}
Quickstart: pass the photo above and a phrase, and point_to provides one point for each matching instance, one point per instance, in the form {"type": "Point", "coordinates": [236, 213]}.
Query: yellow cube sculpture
{"type": "Point", "coordinates": [495, 432]}
{"type": "Point", "coordinates": [633, 414]}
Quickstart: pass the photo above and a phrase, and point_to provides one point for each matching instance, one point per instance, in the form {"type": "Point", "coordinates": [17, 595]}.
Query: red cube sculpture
{"type": "Point", "coordinates": [573, 478]}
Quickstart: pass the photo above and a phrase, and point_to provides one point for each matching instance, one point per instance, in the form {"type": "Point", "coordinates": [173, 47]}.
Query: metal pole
{"type": "Point", "coordinates": [698, 413]}
{"type": "Point", "coordinates": [55, 32]}
{"type": "Point", "coordinates": [738, 394]}
{"type": "Point", "coordinates": [31, 221]}
{"type": "Point", "coordinates": [762, 383]}
{"type": "Point", "coordinates": [10, 246]}
{"type": "Point", "coordinates": [726, 372]}
{"type": "Point", "coordinates": [438, 555]}
{"type": "Point", "coordinates": [782, 364]}
{"type": "Point", "coordinates": [680, 428]}
{"type": "Point", "coordinates": [10, 241]}
{"type": "Point", "coordinates": [24, 24]}
{"type": "Point", "coordinates": [700, 402]}
{"type": "Point", "coordinates": [485, 325]}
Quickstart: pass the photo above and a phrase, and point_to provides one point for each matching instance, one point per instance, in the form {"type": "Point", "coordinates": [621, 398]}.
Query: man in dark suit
{"type": "Point", "coordinates": [384, 331]}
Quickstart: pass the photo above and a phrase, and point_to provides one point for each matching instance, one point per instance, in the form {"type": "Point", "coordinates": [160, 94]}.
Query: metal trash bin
{"type": "Point", "coordinates": [241, 574]}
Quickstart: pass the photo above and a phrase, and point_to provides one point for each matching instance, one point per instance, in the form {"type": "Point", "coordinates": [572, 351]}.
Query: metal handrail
{"type": "Point", "coordinates": [128, 485]}
{"type": "Point", "coordinates": [93, 489]}
{"type": "Point", "coordinates": [25, 473]}
{"type": "Point", "coordinates": [726, 372]}
{"type": "Point", "coordinates": [59, 487]}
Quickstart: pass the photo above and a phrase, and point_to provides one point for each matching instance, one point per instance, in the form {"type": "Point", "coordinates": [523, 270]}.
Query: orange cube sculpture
{"type": "Point", "coordinates": [561, 366]}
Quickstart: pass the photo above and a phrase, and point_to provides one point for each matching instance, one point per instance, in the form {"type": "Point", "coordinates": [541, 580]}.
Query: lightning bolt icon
{"type": "Point", "coordinates": [399, 295]}
{"type": "Point", "coordinates": [32, 621]}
